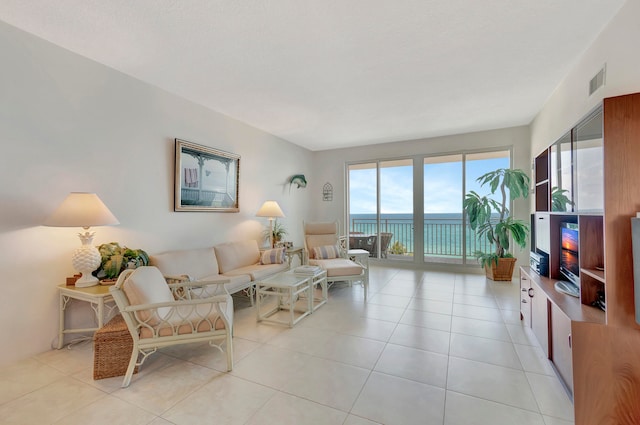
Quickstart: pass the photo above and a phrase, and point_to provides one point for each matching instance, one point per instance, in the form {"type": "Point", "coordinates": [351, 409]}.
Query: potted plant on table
{"type": "Point", "coordinates": [491, 219]}
{"type": "Point", "coordinates": [116, 259]}
{"type": "Point", "coordinates": [275, 234]}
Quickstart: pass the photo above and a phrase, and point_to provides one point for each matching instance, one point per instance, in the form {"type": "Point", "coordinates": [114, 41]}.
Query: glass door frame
{"type": "Point", "coordinates": [418, 199]}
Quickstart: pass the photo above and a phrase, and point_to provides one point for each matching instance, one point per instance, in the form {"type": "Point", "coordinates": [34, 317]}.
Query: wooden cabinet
{"type": "Point", "coordinates": [525, 299]}
{"type": "Point", "coordinates": [622, 201]}
{"type": "Point", "coordinates": [541, 178]}
{"type": "Point", "coordinates": [543, 232]}
{"type": "Point", "coordinates": [561, 174]}
{"type": "Point", "coordinates": [601, 359]}
{"type": "Point", "coordinates": [560, 353]}
{"type": "Point", "coordinates": [540, 316]}
{"type": "Point", "coordinates": [553, 315]}
{"type": "Point", "coordinates": [592, 278]}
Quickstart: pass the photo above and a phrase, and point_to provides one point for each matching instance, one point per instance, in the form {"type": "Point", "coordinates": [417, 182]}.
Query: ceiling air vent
{"type": "Point", "coordinates": [597, 81]}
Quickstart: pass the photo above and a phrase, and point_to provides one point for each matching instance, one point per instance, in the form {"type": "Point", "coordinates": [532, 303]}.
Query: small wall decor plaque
{"type": "Point", "coordinates": [327, 192]}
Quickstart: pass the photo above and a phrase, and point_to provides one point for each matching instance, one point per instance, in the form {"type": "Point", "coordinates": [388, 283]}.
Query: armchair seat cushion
{"type": "Point", "coordinates": [338, 267]}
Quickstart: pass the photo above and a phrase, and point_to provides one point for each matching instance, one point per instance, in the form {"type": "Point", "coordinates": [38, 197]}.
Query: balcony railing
{"type": "Point", "coordinates": [442, 237]}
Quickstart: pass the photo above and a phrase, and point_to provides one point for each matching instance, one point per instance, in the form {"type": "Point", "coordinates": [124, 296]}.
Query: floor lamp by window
{"type": "Point", "coordinates": [84, 210]}
{"type": "Point", "coordinates": [272, 210]}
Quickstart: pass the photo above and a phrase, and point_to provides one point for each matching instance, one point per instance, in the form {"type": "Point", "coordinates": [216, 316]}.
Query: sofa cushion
{"type": "Point", "coordinates": [326, 252]}
{"type": "Point", "coordinates": [234, 255]}
{"type": "Point", "coordinates": [195, 263]}
{"type": "Point", "coordinates": [272, 256]}
{"type": "Point", "coordinates": [258, 271]}
{"type": "Point", "coordinates": [236, 282]}
{"type": "Point", "coordinates": [338, 267]}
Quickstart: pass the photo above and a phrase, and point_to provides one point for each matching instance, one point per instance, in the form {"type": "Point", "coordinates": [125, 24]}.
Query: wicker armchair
{"type": "Point", "coordinates": [319, 242]}
{"type": "Point", "coordinates": [159, 315]}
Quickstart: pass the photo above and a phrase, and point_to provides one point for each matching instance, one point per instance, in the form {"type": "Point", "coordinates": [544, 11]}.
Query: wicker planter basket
{"type": "Point", "coordinates": [112, 347]}
{"type": "Point", "coordinates": [503, 271]}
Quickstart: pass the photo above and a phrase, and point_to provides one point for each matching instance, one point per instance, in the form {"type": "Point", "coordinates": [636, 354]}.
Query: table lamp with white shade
{"type": "Point", "coordinates": [81, 209]}
{"type": "Point", "coordinates": [272, 210]}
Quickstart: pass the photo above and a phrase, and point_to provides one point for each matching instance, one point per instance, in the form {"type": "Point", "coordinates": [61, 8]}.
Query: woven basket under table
{"type": "Point", "coordinates": [112, 347]}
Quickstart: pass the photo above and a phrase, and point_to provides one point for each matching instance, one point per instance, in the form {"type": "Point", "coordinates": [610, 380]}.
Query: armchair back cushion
{"type": "Point", "coordinates": [195, 263]}
{"type": "Point", "coordinates": [320, 234]}
{"type": "Point", "coordinates": [148, 286]}
{"type": "Point", "coordinates": [234, 255]}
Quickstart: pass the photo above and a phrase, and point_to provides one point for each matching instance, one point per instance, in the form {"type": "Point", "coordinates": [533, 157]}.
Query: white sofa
{"type": "Point", "coordinates": [238, 262]}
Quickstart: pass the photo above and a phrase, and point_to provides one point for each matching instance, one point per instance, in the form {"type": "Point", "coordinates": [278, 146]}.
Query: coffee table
{"type": "Point", "coordinates": [294, 294]}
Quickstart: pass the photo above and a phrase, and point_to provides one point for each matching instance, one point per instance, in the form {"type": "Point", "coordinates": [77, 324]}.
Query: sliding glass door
{"type": "Point", "coordinates": [395, 208]}
{"type": "Point", "coordinates": [443, 189]}
{"type": "Point", "coordinates": [476, 165]}
{"type": "Point", "coordinates": [396, 237]}
{"type": "Point", "coordinates": [381, 208]}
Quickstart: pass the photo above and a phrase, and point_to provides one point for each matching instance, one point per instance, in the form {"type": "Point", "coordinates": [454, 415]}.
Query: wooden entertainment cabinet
{"type": "Point", "coordinates": [596, 353]}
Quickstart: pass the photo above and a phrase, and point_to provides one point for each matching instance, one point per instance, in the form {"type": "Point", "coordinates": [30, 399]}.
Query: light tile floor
{"type": "Point", "coordinates": [428, 348]}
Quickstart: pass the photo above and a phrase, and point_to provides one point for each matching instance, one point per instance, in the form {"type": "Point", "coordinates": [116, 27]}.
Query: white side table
{"type": "Point", "coordinates": [319, 279]}
{"type": "Point", "coordinates": [361, 256]}
{"type": "Point", "coordinates": [287, 288]}
{"type": "Point", "coordinates": [98, 296]}
{"type": "Point", "coordinates": [296, 250]}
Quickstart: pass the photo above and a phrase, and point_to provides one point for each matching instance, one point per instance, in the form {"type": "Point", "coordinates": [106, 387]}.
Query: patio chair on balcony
{"type": "Point", "coordinates": [323, 248]}
{"type": "Point", "coordinates": [362, 241]}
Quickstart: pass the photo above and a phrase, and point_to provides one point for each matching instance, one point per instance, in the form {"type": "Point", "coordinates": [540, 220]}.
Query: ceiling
{"type": "Point", "coordinates": [326, 74]}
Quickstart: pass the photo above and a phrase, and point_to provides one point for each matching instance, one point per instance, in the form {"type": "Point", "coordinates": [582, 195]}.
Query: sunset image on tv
{"type": "Point", "coordinates": [569, 239]}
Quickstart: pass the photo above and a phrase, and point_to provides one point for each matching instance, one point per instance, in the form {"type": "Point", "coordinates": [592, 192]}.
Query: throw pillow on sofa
{"type": "Point", "coordinates": [272, 256]}
{"type": "Point", "coordinates": [326, 252]}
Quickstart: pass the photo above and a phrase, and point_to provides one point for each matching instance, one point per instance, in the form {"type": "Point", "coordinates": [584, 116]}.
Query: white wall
{"type": "Point", "coordinates": [616, 46]}
{"type": "Point", "coordinates": [330, 165]}
{"type": "Point", "coordinates": [70, 124]}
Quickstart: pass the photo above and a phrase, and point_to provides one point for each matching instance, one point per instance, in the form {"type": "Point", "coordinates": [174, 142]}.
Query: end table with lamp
{"type": "Point", "coordinates": [98, 297]}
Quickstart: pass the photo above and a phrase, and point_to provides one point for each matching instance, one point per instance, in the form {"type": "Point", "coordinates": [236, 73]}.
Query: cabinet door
{"type": "Point", "coordinates": [525, 300]}
{"type": "Point", "coordinates": [543, 229]}
{"type": "Point", "coordinates": [540, 317]}
{"type": "Point", "coordinates": [589, 164]}
{"type": "Point", "coordinates": [561, 345]}
{"type": "Point", "coordinates": [560, 159]}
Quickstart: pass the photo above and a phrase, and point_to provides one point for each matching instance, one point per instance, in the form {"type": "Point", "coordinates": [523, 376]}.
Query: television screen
{"type": "Point", "coordinates": [569, 265]}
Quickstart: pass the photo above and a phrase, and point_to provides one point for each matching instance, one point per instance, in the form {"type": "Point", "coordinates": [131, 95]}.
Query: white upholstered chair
{"type": "Point", "coordinates": [159, 315]}
{"type": "Point", "coordinates": [324, 248]}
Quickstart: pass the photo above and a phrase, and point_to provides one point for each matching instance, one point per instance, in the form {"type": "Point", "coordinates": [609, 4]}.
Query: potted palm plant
{"type": "Point", "coordinates": [275, 234]}
{"type": "Point", "coordinates": [490, 218]}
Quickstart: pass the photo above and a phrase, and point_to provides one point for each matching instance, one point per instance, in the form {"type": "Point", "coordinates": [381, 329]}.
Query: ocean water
{"type": "Point", "coordinates": [443, 233]}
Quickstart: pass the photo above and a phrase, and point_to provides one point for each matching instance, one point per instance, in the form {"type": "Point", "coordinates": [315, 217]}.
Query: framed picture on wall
{"type": "Point", "coordinates": [206, 179]}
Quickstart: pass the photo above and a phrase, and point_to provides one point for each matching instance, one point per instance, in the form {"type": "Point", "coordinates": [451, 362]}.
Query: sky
{"type": "Point", "coordinates": [442, 187]}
